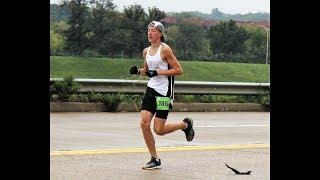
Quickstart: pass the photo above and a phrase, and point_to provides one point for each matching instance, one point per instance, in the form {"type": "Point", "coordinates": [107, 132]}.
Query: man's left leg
{"type": "Point", "coordinates": [161, 128]}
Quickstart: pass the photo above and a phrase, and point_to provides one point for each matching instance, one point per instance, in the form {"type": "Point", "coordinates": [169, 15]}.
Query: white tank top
{"type": "Point", "coordinates": [161, 83]}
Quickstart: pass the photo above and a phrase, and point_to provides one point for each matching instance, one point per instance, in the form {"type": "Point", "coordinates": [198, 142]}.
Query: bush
{"type": "Point", "coordinates": [64, 88]}
{"type": "Point", "coordinates": [83, 98]}
{"type": "Point", "coordinates": [265, 100]}
{"type": "Point", "coordinates": [129, 98]}
{"type": "Point", "coordinates": [92, 97]}
{"type": "Point", "coordinates": [74, 98]}
{"type": "Point", "coordinates": [262, 99]}
{"type": "Point", "coordinates": [111, 102]}
{"type": "Point", "coordinates": [185, 98]}
{"type": "Point", "coordinates": [53, 98]}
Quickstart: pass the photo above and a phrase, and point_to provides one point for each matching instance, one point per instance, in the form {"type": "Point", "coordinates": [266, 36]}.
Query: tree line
{"type": "Point", "coordinates": [95, 28]}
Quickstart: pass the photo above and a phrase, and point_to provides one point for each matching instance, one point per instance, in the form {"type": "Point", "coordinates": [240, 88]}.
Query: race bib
{"type": "Point", "coordinates": [163, 103]}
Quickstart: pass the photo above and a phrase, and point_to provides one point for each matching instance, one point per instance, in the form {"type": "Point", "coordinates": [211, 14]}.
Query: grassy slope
{"type": "Point", "coordinates": [105, 68]}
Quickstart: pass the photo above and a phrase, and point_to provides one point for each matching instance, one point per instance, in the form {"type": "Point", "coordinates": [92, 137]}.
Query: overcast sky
{"type": "Point", "coordinates": [205, 6]}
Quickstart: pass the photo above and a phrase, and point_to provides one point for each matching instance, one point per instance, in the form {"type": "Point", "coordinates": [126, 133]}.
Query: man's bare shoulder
{"type": "Point", "coordinates": [166, 48]}
{"type": "Point", "coordinates": [144, 52]}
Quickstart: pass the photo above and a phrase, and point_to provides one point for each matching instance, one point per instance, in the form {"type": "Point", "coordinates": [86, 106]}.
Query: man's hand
{"type": "Point", "coordinates": [134, 70]}
{"type": "Point", "coordinates": [151, 73]}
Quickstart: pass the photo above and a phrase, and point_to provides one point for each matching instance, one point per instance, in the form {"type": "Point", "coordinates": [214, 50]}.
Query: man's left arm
{"type": "Point", "coordinates": [176, 68]}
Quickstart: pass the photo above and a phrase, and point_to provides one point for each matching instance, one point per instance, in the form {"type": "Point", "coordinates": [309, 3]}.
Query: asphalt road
{"type": "Point", "coordinates": [111, 146]}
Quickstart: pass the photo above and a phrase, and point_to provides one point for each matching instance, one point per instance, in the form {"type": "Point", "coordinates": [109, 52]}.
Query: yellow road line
{"type": "Point", "coordinates": [159, 149]}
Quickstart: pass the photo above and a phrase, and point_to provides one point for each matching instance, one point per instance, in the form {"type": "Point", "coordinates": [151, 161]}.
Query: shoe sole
{"type": "Point", "coordinates": [191, 129]}
{"type": "Point", "coordinates": [152, 168]}
{"type": "Point", "coordinates": [192, 137]}
{"type": "Point", "coordinates": [191, 122]}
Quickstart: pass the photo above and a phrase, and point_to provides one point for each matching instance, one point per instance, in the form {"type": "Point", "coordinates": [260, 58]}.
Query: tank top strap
{"type": "Point", "coordinates": [148, 51]}
{"type": "Point", "coordinates": [159, 49]}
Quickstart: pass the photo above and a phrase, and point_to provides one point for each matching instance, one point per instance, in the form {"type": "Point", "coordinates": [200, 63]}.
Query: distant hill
{"type": "Point", "coordinates": [61, 13]}
{"type": "Point", "coordinates": [218, 15]}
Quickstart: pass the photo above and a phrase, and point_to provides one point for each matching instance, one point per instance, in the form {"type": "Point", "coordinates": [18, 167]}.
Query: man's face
{"type": "Point", "coordinates": [153, 34]}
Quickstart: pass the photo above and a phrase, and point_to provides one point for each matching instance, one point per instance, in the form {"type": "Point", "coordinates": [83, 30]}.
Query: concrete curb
{"type": "Point", "coordinates": [77, 107]}
{"type": "Point", "coordinates": [135, 107]}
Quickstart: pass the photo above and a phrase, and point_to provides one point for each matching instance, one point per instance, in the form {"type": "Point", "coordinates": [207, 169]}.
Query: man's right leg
{"type": "Point", "coordinates": [145, 122]}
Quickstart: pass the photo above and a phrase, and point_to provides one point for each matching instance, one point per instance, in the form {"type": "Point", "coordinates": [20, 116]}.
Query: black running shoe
{"type": "Point", "coordinates": [153, 164]}
{"type": "Point", "coordinates": [189, 130]}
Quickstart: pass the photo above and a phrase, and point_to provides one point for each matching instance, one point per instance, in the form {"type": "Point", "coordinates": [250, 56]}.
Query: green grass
{"type": "Point", "coordinates": [106, 68]}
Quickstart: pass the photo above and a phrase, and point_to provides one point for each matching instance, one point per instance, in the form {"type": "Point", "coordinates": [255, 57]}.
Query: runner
{"type": "Point", "coordinates": [160, 65]}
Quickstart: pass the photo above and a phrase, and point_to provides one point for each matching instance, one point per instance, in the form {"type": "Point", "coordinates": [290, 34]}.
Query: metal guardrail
{"type": "Point", "coordinates": [180, 87]}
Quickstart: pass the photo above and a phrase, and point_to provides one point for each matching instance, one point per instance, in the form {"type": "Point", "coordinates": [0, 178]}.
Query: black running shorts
{"type": "Point", "coordinates": [149, 103]}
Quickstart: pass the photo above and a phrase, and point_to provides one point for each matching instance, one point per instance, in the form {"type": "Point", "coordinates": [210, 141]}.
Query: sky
{"type": "Point", "coordinates": [204, 6]}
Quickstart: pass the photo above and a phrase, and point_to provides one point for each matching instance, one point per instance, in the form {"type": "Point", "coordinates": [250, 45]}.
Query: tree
{"type": "Point", "coordinates": [227, 38]}
{"type": "Point", "coordinates": [117, 37]}
{"type": "Point", "coordinates": [188, 42]}
{"type": "Point", "coordinates": [136, 25]}
{"type": "Point", "coordinates": [155, 14]}
{"type": "Point", "coordinates": [56, 43]}
{"type": "Point", "coordinates": [78, 34]}
{"type": "Point", "coordinates": [59, 27]}
{"type": "Point", "coordinates": [255, 46]}
{"type": "Point", "coordinates": [193, 42]}
{"type": "Point", "coordinates": [174, 39]}
{"type": "Point", "coordinates": [102, 17]}
{"type": "Point", "coordinates": [57, 39]}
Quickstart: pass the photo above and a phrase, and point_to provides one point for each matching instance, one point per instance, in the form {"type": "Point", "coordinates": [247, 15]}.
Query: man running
{"type": "Point", "coordinates": [160, 65]}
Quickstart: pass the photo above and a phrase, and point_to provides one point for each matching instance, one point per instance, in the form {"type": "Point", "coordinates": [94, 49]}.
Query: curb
{"type": "Point", "coordinates": [135, 107]}
{"type": "Point", "coordinates": [77, 107]}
